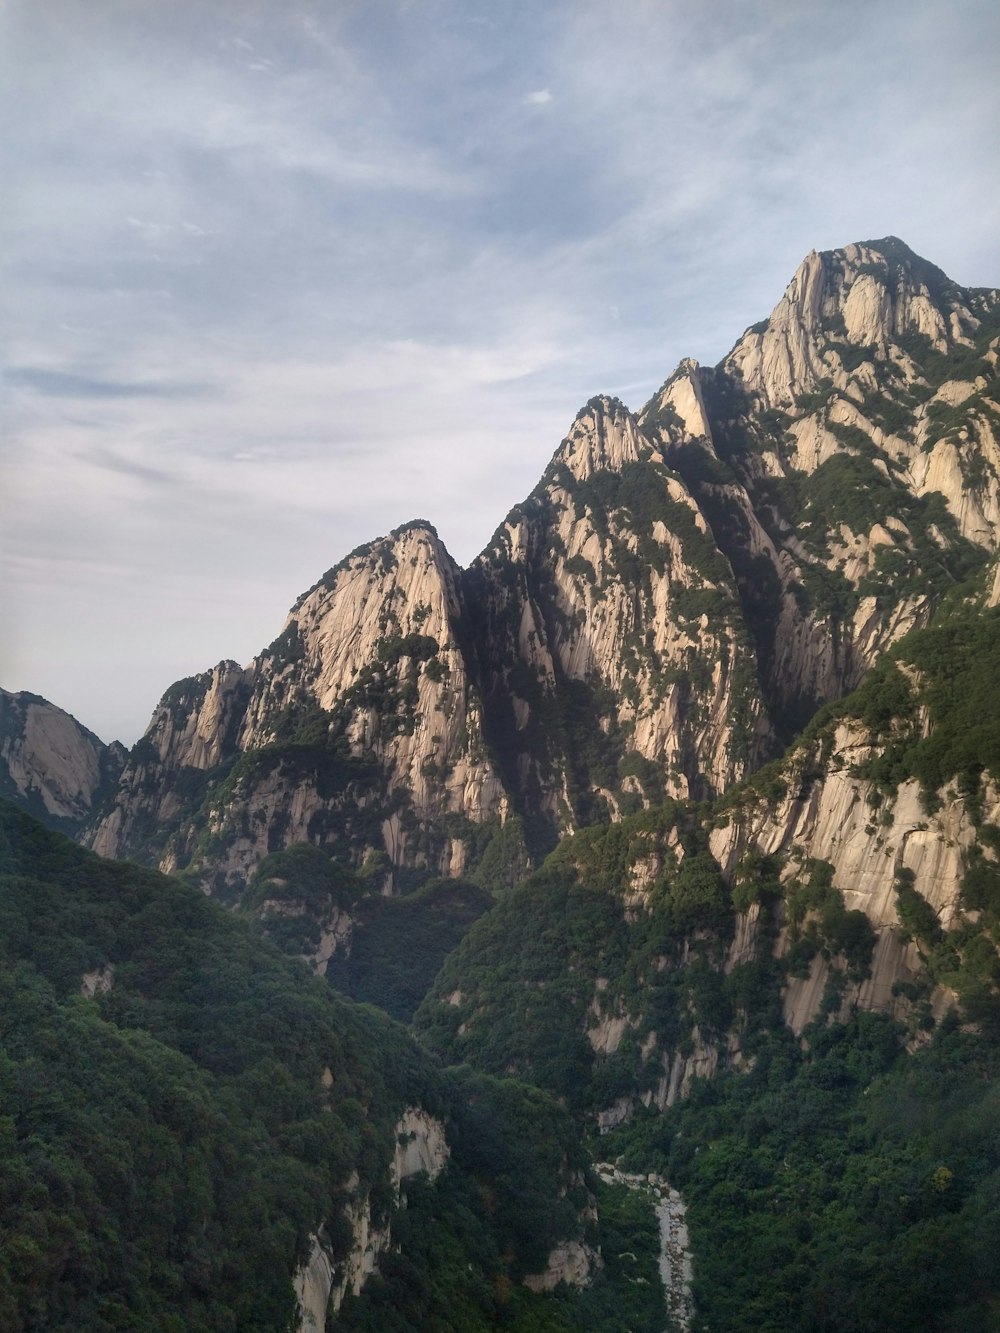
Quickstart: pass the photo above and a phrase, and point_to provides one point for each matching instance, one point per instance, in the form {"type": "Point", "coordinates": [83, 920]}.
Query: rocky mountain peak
{"type": "Point", "coordinates": [397, 587]}
{"type": "Point", "coordinates": [362, 703]}
{"type": "Point", "coordinates": [193, 724]}
{"type": "Point", "coordinates": [677, 411]}
{"type": "Point", "coordinates": [870, 297]}
{"type": "Point", "coordinates": [603, 438]}
{"type": "Point", "coordinates": [738, 554]}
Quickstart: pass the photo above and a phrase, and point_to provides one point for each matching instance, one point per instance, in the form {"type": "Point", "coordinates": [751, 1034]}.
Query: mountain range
{"type": "Point", "coordinates": [695, 765]}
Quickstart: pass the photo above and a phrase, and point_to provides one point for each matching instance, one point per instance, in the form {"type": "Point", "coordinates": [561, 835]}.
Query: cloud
{"type": "Point", "coordinates": [540, 98]}
{"type": "Point", "coordinates": [62, 384]}
{"type": "Point", "coordinates": [155, 477]}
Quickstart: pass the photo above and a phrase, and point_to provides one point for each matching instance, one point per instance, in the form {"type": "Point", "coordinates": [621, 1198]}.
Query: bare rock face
{"type": "Point", "coordinates": [320, 1285]}
{"type": "Point", "coordinates": [50, 765]}
{"type": "Point", "coordinates": [865, 295]}
{"type": "Point", "coordinates": [860, 872]}
{"type": "Point", "coordinates": [780, 358]}
{"type": "Point", "coordinates": [356, 730]}
{"type": "Point", "coordinates": [873, 340]}
{"type": "Point", "coordinates": [571, 1261]}
{"type": "Point", "coordinates": [823, 812]}
{"type": "Point", "coordinates": [190, 735]}
{"type": "Point", "coordinates": [383, 631]}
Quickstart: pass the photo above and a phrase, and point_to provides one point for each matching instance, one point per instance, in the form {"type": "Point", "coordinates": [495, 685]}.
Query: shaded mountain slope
{"type": "Point", "coordinates": [615, 660]}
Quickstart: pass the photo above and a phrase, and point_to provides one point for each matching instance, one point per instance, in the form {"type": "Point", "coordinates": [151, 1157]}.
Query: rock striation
{"type": "Point", "coordinates": [826, 811]}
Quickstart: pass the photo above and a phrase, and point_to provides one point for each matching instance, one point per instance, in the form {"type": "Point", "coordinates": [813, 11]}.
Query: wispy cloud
{"type": "Point", "coordinates": [63, 384]}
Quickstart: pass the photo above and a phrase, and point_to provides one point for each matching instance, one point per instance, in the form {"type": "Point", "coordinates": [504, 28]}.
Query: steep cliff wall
{"type": "Point", "coordinates": [190, 737]}
{"type": "Point", "coordinates": [321, 1283]}
{"type": "Point", "coordinates": [860, 872]}
{"type": "Point", "coordinates": [50, 765]}
{"type": "Point", "coordinates": [889, 809]}
{"type": "Point", "coordinates": [872, 339]}
{"type": "Point", "coordinates": [830, 818]}
{"type": "Point", "coordinates": [615, 660]}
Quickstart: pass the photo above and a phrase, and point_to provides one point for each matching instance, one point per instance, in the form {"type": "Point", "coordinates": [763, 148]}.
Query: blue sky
{"type": "Point", "coordinates": [281, 275]}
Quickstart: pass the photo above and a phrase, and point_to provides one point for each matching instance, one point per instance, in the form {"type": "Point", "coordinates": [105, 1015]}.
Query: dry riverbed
{"type": "Point", "coordinates": [675, 1256]}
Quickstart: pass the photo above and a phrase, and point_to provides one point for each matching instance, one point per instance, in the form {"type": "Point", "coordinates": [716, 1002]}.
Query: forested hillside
{"type": "Point", "coordinates": [189, 1118]}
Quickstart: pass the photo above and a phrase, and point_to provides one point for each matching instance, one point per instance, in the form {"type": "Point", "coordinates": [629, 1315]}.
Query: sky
{"type": "Point", "coordinates": [279, 275]}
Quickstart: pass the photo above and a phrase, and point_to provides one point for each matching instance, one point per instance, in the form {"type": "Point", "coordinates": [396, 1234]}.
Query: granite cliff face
{"type": "Point", "coordinates": [358, 729]}
{"type": "Point", "coordinates": [829, 817]}
{"type": "Point", "coordinates": [615, 660]}
{"type": "Point", "coordinates": [50, 765]}
{"type": "Point", "coordinates": [672, 602]}
{"type": "Point", "coordinates": [322, 1283]}
{"type": "Point", "coordinates": [846, 456]}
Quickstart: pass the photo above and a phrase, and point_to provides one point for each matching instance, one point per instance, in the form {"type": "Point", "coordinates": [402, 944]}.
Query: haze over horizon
{"type": "Point", "coordinates": [281, 277]}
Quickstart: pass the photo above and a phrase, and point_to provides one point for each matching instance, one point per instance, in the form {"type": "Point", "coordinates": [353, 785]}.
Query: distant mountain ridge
{"type": "Point", "coordinates": [678, 594]}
